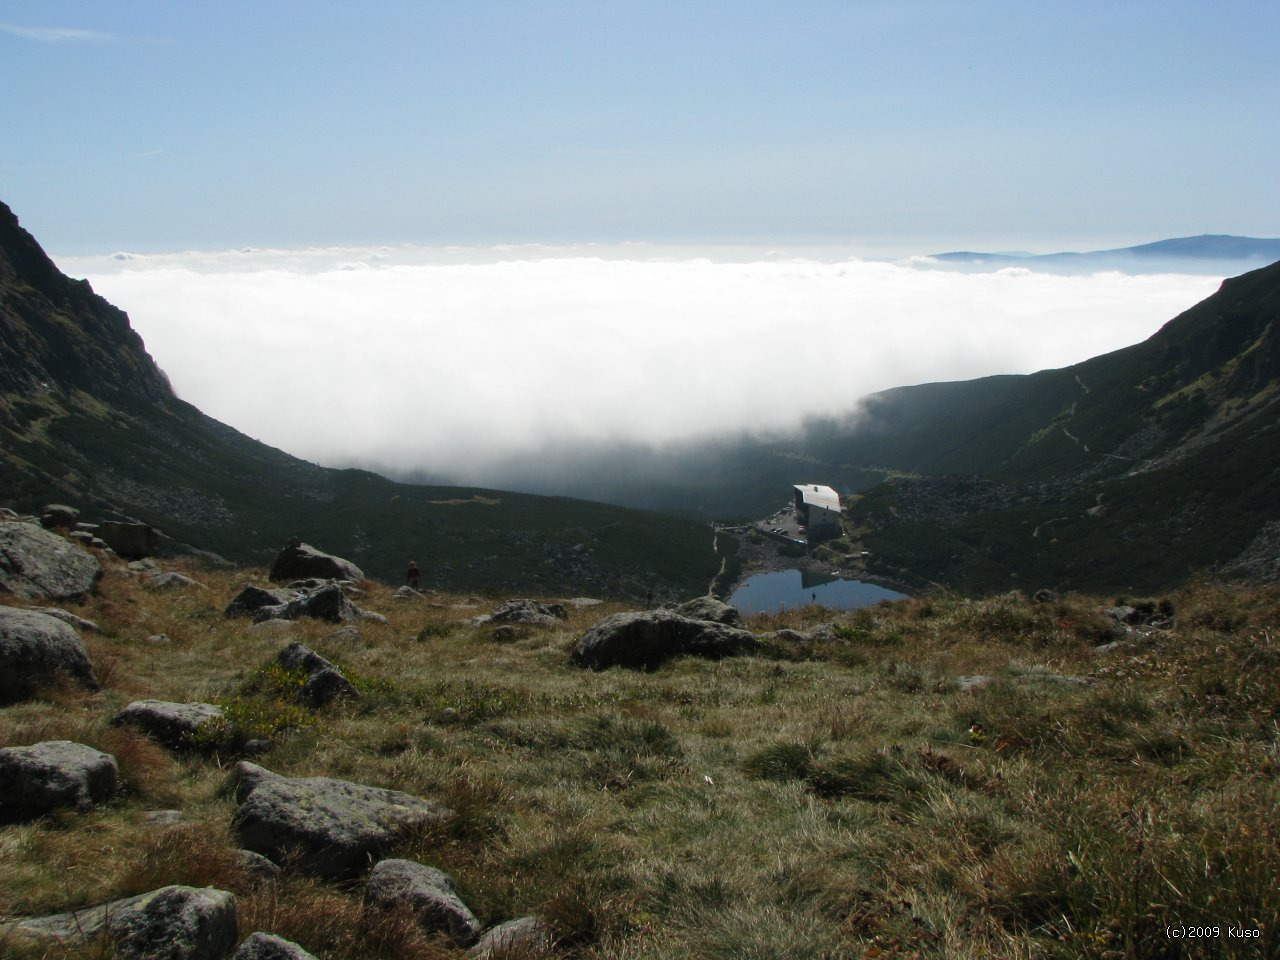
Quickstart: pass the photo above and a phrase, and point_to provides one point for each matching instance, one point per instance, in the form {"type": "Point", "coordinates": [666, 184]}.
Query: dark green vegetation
{"type": "Point", "coordinates": [941, 778]}
{"type": "Point", "coordinates": [86, 418]}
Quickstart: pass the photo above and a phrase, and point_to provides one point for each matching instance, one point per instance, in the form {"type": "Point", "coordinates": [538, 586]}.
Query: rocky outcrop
{"type": "Point", "coordinates": [59, 516]}
{"type": "Point", "coordinates": [523, 936]}
{"type": "Point", "coordinates": [133, 541]}
{"type": "Point", "coordinates": [325, 682]}
{"type": "Point", "coordinates": [327, 603]}
{"type": "Point", "coordinates": [36, 649]}
{"type": "Point", "coordinates": [38, 564]}
{"type": "Point", "coordinates": [266, 946]}
{"type": "Point", "coordinates": [46, 776]}
{"type": "Point", "coordinates": [175, 725]}
{"type": "Point", "coordinates": [172, 923]}
{"type": "Point", "coordinates": [650, 638]}
{"type": "Point", "coordinates": [331, 828]}
{"type": "Point", "coordinates": [299, 561]}
{"type": "Point", "coordinates": [252, 599]}
{"type": "Point", "coordinates": [424, 893]}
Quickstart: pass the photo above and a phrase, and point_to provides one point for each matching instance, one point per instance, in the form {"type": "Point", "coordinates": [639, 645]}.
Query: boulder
{"type": "Point", "coordinates": [259, 868]}
{"type": "Point", "coordinates": [522, 936]}
{"type": "Point", "coordinates": [172, 923]}
{"type": "Point", "coordinates": [710, 608]}
{"type": "Point", "coordinates": [327, 603]}
{"type": "Point", "coordinates": [426, 894]}
{"type": "Point", "coordinates": [325, 682]}
{"type": "Point", "coordinates": [252, 599]}
{"type": "Point", "coordinates": [529, 612]}
{"type": "Point", "coordinates": [266, 946]}
{"type": "Point", "coordinates": [56, 773]}
{"type": "Point", "coordinates": [58, 516]}
{"type": "Point", "coordinates": [175, 725]}
{"type": "Point", "coordinates": [298, 561]}
{"type": "Point", "coordinates": [133, 541]}
{"type": "Point", "coordinates": [38, 564]}
{"type": "Point", "coordinates": [331, 828]}
{"type": "Point", "coordinates": [35, 649]}
{"type": "Point", "coordinates": [649, 638]}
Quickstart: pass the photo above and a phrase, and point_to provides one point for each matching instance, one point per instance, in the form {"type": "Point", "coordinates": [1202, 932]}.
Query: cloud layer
{"type": "Point", "coordinates": [363, 357]}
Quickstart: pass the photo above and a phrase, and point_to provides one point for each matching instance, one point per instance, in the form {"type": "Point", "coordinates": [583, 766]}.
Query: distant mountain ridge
{"type": "Point", "coordinates": [1207, 253]}
{"type": "Point", "coordinates": [88, 419]}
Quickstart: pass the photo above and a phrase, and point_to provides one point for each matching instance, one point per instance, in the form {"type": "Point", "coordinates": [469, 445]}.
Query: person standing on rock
{"type": "Point", "coordinates": [413, 576]}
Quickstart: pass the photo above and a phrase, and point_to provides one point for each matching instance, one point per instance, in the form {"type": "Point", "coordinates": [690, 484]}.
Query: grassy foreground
{"type": "Point", "coordinates": [838, 798]}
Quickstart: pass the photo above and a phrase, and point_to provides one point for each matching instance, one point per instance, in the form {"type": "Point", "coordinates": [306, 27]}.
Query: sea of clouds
{"type": "Point", "coordinates": [445, 361]}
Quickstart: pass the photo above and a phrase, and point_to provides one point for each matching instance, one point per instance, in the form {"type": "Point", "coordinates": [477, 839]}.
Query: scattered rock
{"type": "Point", "coordinates": [346, 637]}
{"type": "Point", "coordinates": [132, 541]}
{"type": "Point", "coordinates": [164, 818]}
{"type": "Point", "coordinates": [974, 682]}
{"type": "Point", "coordinates": [298, 561]}
{"type": "Point", "coordinates": [37, 564]}
{"type": "Point", "coordinates": [712, 609]}
{"type": "Point", "coordinates": [258, 867]}
{"type": "Point", "coordinates": [267, 946]}
{"type": "Point", "coordinates": [58, 516]}
{"type": "Point", "coordinates": [649, 638]}
{"type": "Point", "coordinates": [326, 603]}
{"type": "Point", "coordinates": [325, 682]}
{"type": "Point", "coordinates": [140, 566]}
{"type": "Point", "coordinates": [34, 650]}
{"type": "Point", "coordinates": [407, 593]}
{"type": "Point", "coordinates": [521, 936]}
{"type": "Point", "coordinates": [251, 599]}
{"type": "Point", "coordinates": [582, 602]}
{"type": "Point", "coordinates": [80, 623]}
{"type": "Point", "coordinates": [175, 725]}
{"type": "Point", "coordinates": [56, 773]}
{"type": "Point", "coordinates": [332, 827]}
{"type": "Point", "coordinates": [528, 612]}
{"type": "Point", "coordinates": [169, 580]}
{"type": "Point", "coordinates": [172, 923]}
{"type": "Point", "coordinates": [158, 639]}
{"type": "Point", "coordinates": [428, 894]}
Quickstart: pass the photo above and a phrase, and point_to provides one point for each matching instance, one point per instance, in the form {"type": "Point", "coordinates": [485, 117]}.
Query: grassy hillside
{"type": "Point", "coordinates": [856, 796]}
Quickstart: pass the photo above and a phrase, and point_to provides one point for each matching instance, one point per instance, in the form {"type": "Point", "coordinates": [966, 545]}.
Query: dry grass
{"type": "Point", "coordinates": [828, 799]}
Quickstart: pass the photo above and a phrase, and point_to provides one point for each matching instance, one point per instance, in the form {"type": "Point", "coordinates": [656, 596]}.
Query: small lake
{"type": "Point", "coordinates": [788, 589]}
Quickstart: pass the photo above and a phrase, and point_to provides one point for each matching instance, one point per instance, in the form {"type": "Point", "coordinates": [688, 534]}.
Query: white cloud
{"type": "Point", "coordinates": [59, 34]}
{"type": "Point", "coordinates": [379, 357]}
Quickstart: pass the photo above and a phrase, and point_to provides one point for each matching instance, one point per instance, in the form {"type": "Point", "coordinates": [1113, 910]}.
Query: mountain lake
{"type": "Point", "coordinates": [789, 589]}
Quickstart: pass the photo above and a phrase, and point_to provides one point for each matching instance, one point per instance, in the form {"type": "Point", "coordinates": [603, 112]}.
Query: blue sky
{"type": "Point", "coordinates": [152, 126]}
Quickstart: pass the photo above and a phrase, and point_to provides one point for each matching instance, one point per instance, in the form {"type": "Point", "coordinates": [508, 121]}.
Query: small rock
{"type": "Point", "coordinates": [140, 566]}
{"type": "Point", "coordinates": [258, 867]}
{"type": "Point", "coordinates": [170, 580]}
{"type": "Point", "coordinates": [427, 894]}
{"type": "Point", "coordinates": [80, 623]}
{"type": "Point", "coordinates": [45, 776]}
{"type": "Point", "coordinates": [525, 935]}
{"type": "Point", "coordinates": [266, 946]}
{"type": "Point", "coordinates": [158, 639]}
{"type": "Point", "coordinates": [164, 818]}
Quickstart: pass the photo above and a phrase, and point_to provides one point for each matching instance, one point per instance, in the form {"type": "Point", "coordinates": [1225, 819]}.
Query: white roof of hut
{"type": "Point", "coordinates": [816, 495]}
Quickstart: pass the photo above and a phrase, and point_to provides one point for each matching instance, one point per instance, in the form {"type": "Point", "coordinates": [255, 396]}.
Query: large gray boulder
{"type": "Point", "coordinates": [133, 541]}
{"type": "Point", "coordinates": [523, 937]}
{"type": "Point", "coordinates": [35, 649]}
{"type": "Point", "coordinates": [424, 893]}
{"type": "Point", "coordinates": [59, 516]}
{"type": "Point", "coordinates": [325, 682]}
{"type": "Point", "coordinates": [331, 828]}
{"type": "Point", "coordinates": [266, 946]}
{"type": "Point", "coordinates": [46, 776]}
{"type": "Point", "coordinates": [710, 608]}
{"type": "Point", "coordinates": [652, 637]}
{"type": "Point", "coordinates": [300, 561]}
{"type": "Point", "coordinates": [37, 564]}
{"type": "Point", "coordinates": [175, 725]}
{"type": "Point", "coordinates": [172, 923]}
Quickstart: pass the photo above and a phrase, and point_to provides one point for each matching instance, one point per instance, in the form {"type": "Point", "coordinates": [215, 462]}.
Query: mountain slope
{"type": "Point", "coordinates": [88, 419]}
{"type": "Point", "coordinates": [1207, 253]}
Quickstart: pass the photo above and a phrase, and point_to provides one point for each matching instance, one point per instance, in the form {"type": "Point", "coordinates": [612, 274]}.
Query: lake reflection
{"type": "Point", "coordinates": [788, 589]}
